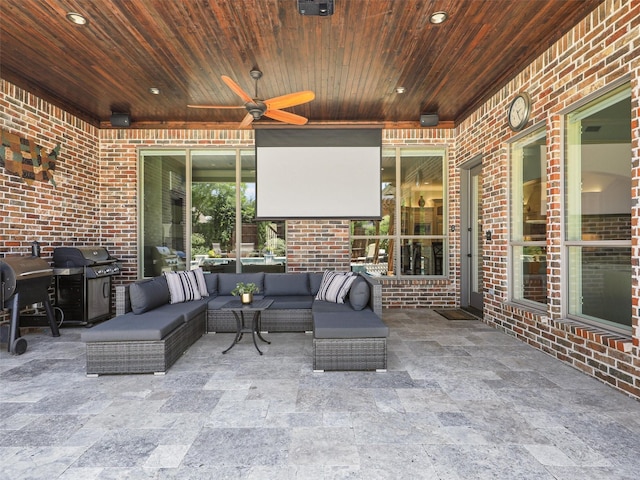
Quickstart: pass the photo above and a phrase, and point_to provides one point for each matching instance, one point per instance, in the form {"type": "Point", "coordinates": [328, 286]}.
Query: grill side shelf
{"type": "Point", "coordinates": [68, 271]}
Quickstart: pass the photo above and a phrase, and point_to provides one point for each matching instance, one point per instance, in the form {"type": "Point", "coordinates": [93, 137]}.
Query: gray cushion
{"type": "Point", "coordinates": [211, 279]}
{"type": "Point", "coordinates": [148, 294]}
{"type": "Point", "coordinates": [286, 284]}
{"type": "Point", "coordinates": [188, 310]}
{"type": "Point", "coordinates": [154, 325]}
{"type": "Point", "coordinates": [357, 324]}
{"type": "Point", "coordinates": [296, 302]}
{"type": "Point", "coordinates": [359, 293]}
{"type": "Point", "coordinates": [322, 306]}
{"type": "Point", "coordinates": [315, 279]}
{"type": "Point", "coordinates": [227, 281]}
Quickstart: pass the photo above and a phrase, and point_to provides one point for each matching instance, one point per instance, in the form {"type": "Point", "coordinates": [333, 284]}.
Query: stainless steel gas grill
{"type": "Point", "coordinates": [84, 282]}
{"type": "Point", "coordinates": [24, 281]}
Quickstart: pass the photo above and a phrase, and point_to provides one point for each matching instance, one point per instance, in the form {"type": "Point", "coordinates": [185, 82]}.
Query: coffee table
{"type": "Point", "coordinates": [239, 309]}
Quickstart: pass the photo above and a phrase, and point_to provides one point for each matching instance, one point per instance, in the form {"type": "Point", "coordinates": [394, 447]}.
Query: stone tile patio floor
{"type": "Point", "coordinates": [460, 400]}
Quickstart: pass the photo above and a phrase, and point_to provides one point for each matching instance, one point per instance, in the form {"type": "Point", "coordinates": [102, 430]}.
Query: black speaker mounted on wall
{"type": "Point", "coordinates": [120, 120]}
{"type": "Point", "coordinates": [322, 8]}
{"type": "Point", "coordinates": [429, 119]}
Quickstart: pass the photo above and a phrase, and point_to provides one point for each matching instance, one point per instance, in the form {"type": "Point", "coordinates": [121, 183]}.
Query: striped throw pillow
{"type": "Point", "coordinates": [202, 283]}
{"type": "Point", "coordinates": [335, 286]}
{"type": "Point", "coordinates": [183, 286]}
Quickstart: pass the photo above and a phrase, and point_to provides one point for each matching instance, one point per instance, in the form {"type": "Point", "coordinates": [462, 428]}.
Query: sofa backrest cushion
{"type": "Point", "coordinates": [228, 281]}
{"type": "Point", "coordinates": [278, 284]}
{"type": "Point", "coordinates": [211, 279]}
{"type": "Point", "coordinates": [315, 279]}
{"type": "Point", "coordinates": [359, 293]}
{"type": "Point", "coordinates": [148, 294]}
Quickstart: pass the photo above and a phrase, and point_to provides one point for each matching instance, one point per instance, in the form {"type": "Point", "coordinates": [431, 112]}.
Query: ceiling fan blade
{"type": "Point", "coordinates": [290, 100]}
{"type": "Point", "coordinates": [236, 88]}
{"type": "Point", "coordinates": [246, 121]}
{"type": "Point", "coordinates": [286, 117]}
{"type": "Point", "coordinates": [215, 106]}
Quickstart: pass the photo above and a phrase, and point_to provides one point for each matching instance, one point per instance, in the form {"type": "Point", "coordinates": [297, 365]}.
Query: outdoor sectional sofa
{"type": "Point", "coordinates": [148, 333]}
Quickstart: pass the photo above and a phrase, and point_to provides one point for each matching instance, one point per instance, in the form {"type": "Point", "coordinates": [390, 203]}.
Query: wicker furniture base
{"type": "Point", "coordinates": [144, 356]}
{"type": "Point", "coordinates": [349, 354]}
{"type": "Point", "coordinates": [294, 320]}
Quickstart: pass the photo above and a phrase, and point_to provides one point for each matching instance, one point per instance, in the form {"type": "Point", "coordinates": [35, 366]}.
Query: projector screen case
{"type": "Point", "coordinates": [318, 173]}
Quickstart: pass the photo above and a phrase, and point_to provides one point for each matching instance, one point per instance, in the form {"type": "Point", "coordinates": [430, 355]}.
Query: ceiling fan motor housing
{"type": "Point", "coordinates": [256, 109]}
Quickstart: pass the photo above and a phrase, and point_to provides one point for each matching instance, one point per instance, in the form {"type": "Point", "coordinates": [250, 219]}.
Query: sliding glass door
{"type": "Point", "coordinates": [218, 188]}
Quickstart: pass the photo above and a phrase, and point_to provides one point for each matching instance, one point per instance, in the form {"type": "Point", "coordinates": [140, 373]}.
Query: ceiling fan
{"type": "Point", "coordinates": [271, 108]}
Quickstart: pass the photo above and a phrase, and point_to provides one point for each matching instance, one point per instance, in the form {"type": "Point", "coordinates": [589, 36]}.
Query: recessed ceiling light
{"type": "Point", "coordinates": [154, 90]}
{"type": "Point", "coordinates": [438, 17]}
{"type": "Point", "coordinates": [76, 18]}
{"type": "Point", "coordinates": [400, 89]}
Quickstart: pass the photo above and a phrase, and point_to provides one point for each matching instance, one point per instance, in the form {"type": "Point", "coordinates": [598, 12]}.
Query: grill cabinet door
{"type": "Point", "coordinates": [98, 298]}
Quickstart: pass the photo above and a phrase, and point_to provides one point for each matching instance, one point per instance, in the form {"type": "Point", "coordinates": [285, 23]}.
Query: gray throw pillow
{"type": "Point", "coordinates": [359, 294]}
{"type": "Point", "coordinates": [212, 283]}
{"type": "Point", "coordinates": [315, 279]}
{"type": "Point", "coordinates": [148, 294]}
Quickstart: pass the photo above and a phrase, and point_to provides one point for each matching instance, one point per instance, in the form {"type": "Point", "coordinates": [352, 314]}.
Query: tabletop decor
{"type": "Point", "coordinates": [245, 291]}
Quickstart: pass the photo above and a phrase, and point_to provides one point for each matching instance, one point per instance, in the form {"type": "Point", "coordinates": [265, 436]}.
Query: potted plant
{"type": "Point", "coordinates": [245, 291]}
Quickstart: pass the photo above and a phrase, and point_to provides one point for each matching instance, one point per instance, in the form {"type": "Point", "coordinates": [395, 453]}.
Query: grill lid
{"type": "Point", "coordinates": [16, 270]}
{"type": "Point", "coordinates": [64, 257]}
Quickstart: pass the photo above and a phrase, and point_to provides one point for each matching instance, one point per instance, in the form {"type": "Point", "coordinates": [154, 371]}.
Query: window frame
{"type": "Point", "coordinates": [241, 176]}
{"type": "Point", "coordinates": [397, 238]}
{"type": "Point", "coordinates": [523, 139]}
{"type": "Point", "coordinates": [591, 103]}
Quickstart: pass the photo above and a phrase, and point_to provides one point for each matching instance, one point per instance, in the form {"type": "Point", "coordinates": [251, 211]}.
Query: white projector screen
{"type": "Point", "coordinates": [318, 173]}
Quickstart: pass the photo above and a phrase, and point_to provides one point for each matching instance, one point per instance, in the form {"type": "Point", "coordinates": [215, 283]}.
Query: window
{"type": "Point", "coordinates": [218, 187]}
{"type": "Point", "coordinates": [529, 219]}
{"type": "Point", "coordinates": [410, 238]}
{"type": "Point", "coordinates": [597, 221]}
{"type": "Point", "coordinates": [163, 240]}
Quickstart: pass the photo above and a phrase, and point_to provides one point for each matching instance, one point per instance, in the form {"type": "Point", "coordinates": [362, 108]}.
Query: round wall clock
{"type": "Point", "coordinates": [519, 112]}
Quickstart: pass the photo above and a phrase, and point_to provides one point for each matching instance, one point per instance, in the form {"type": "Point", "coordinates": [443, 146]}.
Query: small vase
{"type": "Point", "coordinates": [246, 298]}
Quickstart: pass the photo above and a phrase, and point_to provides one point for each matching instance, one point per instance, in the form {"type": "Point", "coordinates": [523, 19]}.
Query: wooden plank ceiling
{"type": "Point", "coordinates": [353, 60]}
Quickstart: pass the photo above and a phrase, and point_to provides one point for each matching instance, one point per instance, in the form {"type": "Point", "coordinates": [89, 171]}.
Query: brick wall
{"type": "Point", "coordinates": [67, 213]}
{"type": "Point", "coordinates": [599, 51]}
{"type": "Point", "coordinates": [317, 245]}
